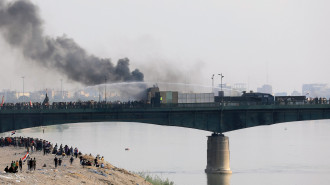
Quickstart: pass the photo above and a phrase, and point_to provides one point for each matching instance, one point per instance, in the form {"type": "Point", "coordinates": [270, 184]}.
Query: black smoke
{"type": "Point", "coordinates": [21, 26]}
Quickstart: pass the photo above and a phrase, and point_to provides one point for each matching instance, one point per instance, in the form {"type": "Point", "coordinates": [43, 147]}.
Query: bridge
{"type": "Point", "coordinates": [214, 117]}
{"type": "Point", "coordinates": [203, 116]}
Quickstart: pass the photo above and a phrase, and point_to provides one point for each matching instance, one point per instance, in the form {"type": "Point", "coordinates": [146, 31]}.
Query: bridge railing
{"type": "Point", "coordinates": [139, 105]}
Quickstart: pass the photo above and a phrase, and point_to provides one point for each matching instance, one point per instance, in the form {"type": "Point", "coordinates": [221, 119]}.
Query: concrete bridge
{"type": "Point", "coordinates": [209, 116]}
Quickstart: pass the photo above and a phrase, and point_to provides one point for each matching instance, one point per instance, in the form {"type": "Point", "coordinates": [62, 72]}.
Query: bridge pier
{"type": "Point", "coordinates": [218, 154]}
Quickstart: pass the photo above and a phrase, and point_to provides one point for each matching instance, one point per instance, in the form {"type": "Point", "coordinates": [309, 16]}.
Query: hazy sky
{"type": "Point", "coordinates": [178, 41]}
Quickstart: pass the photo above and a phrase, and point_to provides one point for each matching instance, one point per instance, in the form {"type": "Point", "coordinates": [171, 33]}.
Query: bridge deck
{"type": "Point", "coordinates": [210, 117]}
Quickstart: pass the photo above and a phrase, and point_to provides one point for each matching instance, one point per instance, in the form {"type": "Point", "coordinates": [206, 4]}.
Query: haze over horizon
{"type": "Point", "coordinates": [282, 43]}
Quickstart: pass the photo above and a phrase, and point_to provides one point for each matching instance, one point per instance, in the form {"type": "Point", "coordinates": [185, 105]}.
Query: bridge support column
{"type": "Point", "coordinates": [218, 154]}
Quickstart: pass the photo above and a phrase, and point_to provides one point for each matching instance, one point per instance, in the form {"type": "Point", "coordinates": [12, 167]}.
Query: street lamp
{"type": "Point", "coordinates": [23, 87]}
{"type": "Point", "coordinates": [222, 95]}
{"type": "Point", "coordinates": [212, 81]}
{"type": "Point", "coordinates": [221, 76]}
{"type": "Point", "coordinates": [61, 89]}
{"type": "Point", "coordinates": [105, 89]}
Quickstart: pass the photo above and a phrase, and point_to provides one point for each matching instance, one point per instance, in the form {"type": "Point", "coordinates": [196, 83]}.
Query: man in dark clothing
{"type": "Point", "coordinates": [11, 170]}
{"type": "Point", "coordinates": [34, 164]}
{"type": "Point", "coordinates": [55, 161]}
{"type": "Point", "coordinates": [20, 164]}
{"type": "Point", "coordinates": [95, 161]}
{"type": "Point", "coordinates": [15, 169]}
{"type": "Point", "coordinates": [31, 164]}
{"type": "Point", "coordinates": [76, 152]}
{"type": "Point", "coordinates": [28, 164]}
{"type": "Point", "coordinates": [71, 160]}
{"type": "Point", "coordinates": [6, 169]}
{"type": "Point", "coordinates": [59, 161]}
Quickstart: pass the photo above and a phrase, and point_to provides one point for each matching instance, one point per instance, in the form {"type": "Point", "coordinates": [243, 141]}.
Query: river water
{"type": "Point", "coordinates": [287, 153]}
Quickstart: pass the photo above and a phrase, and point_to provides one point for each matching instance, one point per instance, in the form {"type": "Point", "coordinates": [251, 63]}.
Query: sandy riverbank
{"type": "Point", "coordinates": [65, 174]}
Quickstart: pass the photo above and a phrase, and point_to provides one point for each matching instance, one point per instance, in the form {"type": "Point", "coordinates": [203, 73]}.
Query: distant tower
{"type": "Point", "coordinates": [266, 88]}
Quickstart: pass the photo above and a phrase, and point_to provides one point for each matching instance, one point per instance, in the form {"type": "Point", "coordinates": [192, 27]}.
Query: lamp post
{"type": "Point", "coordinates": [221, 76]}
{"type": "Point", "coordinates": [105, 89]}
{"type": "Point", "coordinates": [61, 89]}
{"type": "Point", "coordinates": [23, 87]}
{"type": "Point", "coordinates": [222, 95]}
{"type": "Point", "coordinates": [212, 82]}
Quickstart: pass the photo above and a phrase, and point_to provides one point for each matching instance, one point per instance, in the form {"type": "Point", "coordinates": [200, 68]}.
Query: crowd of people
{"type": "Point", "coordinates": [14, 166]}
{"type": "Point", "coordinates": [32, 145]}
{"type": "Point", "coordinates": [72, 105]}
{"type": "Point", "coordinates": [97, 162]}
{"type": "Point", "coordinates": [119, 104]}
{"type": "Point", "coordinates": [37, 145]}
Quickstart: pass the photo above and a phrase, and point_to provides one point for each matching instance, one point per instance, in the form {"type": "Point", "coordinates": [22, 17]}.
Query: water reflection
{"type": "Point", "coordinates": [51, 128]}
{"type": "Point", "coordinates": [218, 179]}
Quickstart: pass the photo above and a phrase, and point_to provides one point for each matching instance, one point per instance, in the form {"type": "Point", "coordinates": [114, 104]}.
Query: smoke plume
{"type": "Point", "coordinates": [21, 26]}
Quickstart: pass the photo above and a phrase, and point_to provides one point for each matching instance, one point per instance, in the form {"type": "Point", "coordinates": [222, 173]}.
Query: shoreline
{"type": "Point", "coordinates": [46, 173]}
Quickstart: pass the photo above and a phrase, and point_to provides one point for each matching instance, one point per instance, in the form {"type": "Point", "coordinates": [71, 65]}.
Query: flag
{"type": "Point", "coordinates": [13, 132]}
{"type": "Point", "coordinates": [30, 103]}
{"type": "Point", "coordinates": [3, 100]}
{"type": "Point", "coordinates": [25, 157]}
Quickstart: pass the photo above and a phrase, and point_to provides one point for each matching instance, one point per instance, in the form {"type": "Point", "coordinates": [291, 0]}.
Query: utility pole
{"type": "Point", "coordinates": [222, 105]}
{"type": "Point", "coordinates": [221, 76]}
{"type": "Point", "coordinates": [212, 82]}
{"type": "Point", "coordinates": [105, 89]}
{"type": "Point", "coordinates": [23, 87]}
{"type": "Point", "coordinates": [61, 89]}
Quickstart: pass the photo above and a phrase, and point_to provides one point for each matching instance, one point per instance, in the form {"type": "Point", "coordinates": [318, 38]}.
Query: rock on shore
{"type": "Point", "coordinates": [64, 174]}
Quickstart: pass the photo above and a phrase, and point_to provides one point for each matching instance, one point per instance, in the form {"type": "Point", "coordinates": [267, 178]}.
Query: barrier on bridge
{"type": "Point", "coordinates": [139, 105]}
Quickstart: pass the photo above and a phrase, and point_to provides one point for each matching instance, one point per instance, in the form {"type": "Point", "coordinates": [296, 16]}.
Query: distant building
{"type": "Point", "coordinates": [295, 93]}
{"type": "Point", "coordinates": [81, 95]}
{"type": "Point", "coordinates": [238, 89]}
{"type": "Point", "coordinates": [9, 96]}
{"type": "Point", "coordinates": [265, 89]}
{"type": "Point", "coordinates": [230, 90]}
{"type": "Point", "coordinates": [37, 96]}
{"type": "Point", "coordinates": [316, 90]}
{"type": "Point", "coordinates": [281, 94]}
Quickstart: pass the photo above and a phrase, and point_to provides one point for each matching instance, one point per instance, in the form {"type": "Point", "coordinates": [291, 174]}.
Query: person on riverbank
{"type": "Point", "coordinates": [31, 164]}
{"type": "Point", "coordinates": [76, 152]}
{"type": "Point", "coordinates": [59, 161]}
{"type": "Point", "coordinates": [95, 162]}
{"type": "Point", "coordinates": [44, 149]}
{"type": "Point", "coordinates": [12, 164]}
{"type": "Point", "coordinates": [71, 160]}
{"type": "Point", "coordinates": [20, 164]}
{"type": "Point", "coordinates": [28, 164]}
{"type": "Point", "coordinates": [55, 161]}
{"type": "Point", "coordinates": [34, 163]}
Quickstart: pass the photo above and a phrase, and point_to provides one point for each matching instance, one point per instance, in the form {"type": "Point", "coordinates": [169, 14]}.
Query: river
{"type": "Point", "coordinates": [287, 153]}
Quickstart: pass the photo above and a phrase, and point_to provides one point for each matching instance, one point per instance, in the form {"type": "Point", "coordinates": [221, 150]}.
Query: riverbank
{"type": "Point", "coordinates": [46, 173]}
